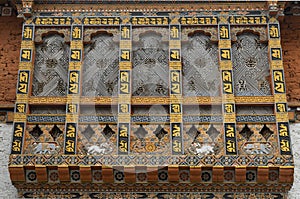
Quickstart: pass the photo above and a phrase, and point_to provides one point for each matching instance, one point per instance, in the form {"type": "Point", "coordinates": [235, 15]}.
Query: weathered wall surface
{"type": "Point", "coordinates": [295, 138]}
{"type": "Point", "coordinates": [290, 41]}
{"type": "Point", "coordinates": [10, 44]}
{"type": "Point", "coordinates": [7, 190]}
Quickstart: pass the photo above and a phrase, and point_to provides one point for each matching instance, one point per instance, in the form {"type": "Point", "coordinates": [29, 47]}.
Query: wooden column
{"type": "Point", "coordinates": [228, 103]}
{"type": "Point", "coordinates": [279, 90]}
{"type": "Point", "coordinates": [175, 71]}
{"type": "Point", "coordinates": [23, 87]}
{"type": "Point", "coordinates": [73, 94]}
{"type": "Point", "coordinates": [124, 99]}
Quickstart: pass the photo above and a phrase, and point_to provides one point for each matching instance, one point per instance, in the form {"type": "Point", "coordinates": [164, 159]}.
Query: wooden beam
{"type": "Point", "coordinates": [195, 174]}
{"type": "Point", "coordinates": [240, 174]}
{"type": "Point", "coordinates": [218, 174]}
{"type": "Point", "coordinates": [85, 173]}
{"type": "Point", "coordinates": [173, 172]}
{"type": "Point", "coordinates": [41, 173]}
{"type": "Point", "coordinates": [63, 173]}
{"type": "Point", "coordinates": [129, 173]}
{"type": "Point", "coordinates": [17, 173]}
{"type": "Point", "coordinates": [262, 174]}
{"type": "Point", "coordinates": [107, 174]}
{"type": "Point", "coordinates": [286, 174]}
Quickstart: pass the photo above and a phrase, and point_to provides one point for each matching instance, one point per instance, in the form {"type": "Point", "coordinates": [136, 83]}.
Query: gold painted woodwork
{"type": "Point", "coordinates": [129, 7]}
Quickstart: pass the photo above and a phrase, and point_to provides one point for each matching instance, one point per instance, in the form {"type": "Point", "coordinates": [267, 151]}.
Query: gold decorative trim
{"type": "Point", "coordinates": [129, 7]}
{"type": "Point", "coordinates": [254, 99]}
{"type": "Point", "coordinates": [47, 100]}
{"type": "Point", "coordinates": [282, 117]}
{"type": "Point", "coordinates": [153, 100]}
{"type": "Point", "coordinates": [280, 97]}
{"type": "Point", "coordinates": [274, 43]}
{"type": "Point", "coordinates": [99, 100]}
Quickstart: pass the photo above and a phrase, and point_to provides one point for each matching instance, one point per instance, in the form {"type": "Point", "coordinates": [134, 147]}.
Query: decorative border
{"type": "Point", "coordinates": [121, 160]}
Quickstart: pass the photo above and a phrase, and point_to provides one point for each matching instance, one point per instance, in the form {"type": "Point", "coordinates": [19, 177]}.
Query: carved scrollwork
{"type": "Point", "coordinates": [150, 64]}
{"type": "Point", "coordinates": [51, 67]}
{"type": "Point", "coordinates": [200, 66]}
{"type": "Point", "coordinates": [100, 68]}
{"type": "Point", "coordinates": [251, 66]}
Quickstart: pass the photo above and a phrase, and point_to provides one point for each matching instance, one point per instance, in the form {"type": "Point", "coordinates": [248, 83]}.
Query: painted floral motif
{"type": "Point", "coordinates": [150, 139]}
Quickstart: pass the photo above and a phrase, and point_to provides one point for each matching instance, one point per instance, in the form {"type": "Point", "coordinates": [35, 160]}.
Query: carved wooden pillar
{"type": "Point", "coordinates": [279, 89]}
{"type": "Point", "coordinates": [73, 94]}
{"type": "Point", "coordinates": [228, 102]}
{"type": "Point", "coordinates": [124, 91]}
{"type": "Point", "coordinates": [23, 87]}
{"type": "Point", "coordinates": [175, 68]}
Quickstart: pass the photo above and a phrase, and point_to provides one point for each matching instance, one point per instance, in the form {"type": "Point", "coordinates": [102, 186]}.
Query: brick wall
{"type": "Point", "coordinates": [290, 40]}
{"type": "Point", "coordinates": [10, 44]}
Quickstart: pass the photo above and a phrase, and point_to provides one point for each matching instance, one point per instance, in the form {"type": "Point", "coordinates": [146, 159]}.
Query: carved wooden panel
{"type": "Point", "coordinates": [250, 66]}
{"type": "Point", "coordinates": [51, 67]}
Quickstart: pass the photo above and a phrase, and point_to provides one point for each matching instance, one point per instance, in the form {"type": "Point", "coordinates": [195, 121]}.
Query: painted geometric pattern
{"type": "Point", "coordinates": [154, 160]}
{"type": "Point", "coordinates": [100, 68]}
{"type": "Point", "coordinates": [200, 67]}
{"type": "Point", "coordinates": [150, 64]}
{"type": "Point", "coordinates": [97, 139]}
{"type": "Point", "coordinates": [51, 67]}
{"type": "Point", "coordinates": [44, 139]}
{"type": "Point", "coordinates": [257, 139]}
{"type": "Point", "coordinates": [250, 66]}
{"type": "Point", "coordinates": [143, 195]}
{"type": "Point", "coordinates": [161, 173]}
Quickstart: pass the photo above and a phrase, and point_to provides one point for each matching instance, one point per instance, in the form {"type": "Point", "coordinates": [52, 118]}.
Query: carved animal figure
{"type": "Point", "coordinates": [258, 148]}
{"type": "Point", "coordinates": [45, 148]}
{"type": "Point", "coordinates": [94, 149]}
{"type": "Point", "coordinates": [203, 149]}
